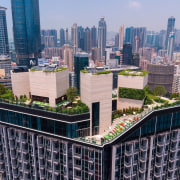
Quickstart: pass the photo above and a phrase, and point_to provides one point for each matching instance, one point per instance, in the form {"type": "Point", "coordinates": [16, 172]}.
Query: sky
{"type": "Point", "coordinates": [56, 14]}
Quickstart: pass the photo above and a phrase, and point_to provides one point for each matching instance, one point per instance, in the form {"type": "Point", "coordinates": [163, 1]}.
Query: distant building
{"type": "Point", "coordinates": [95, 54]}
{"type": "Point", "coordinates": [170, 47]}
{"type": "Point", "coordinates": [62, 37]}
{"type": "Point", "coordinates": [68, 57]}
{"type": "Point", "coordinates": [162, 39]}
{"type": "Point", "coordinates": [152, 39]}
{"type": "Point", "coordinates": [136, 46]}
{"type": "Point", "coordinates": [102, 30]}
{"type": "Point", "coordinates": [53, 51]}
{"type": "Point", "coordinates": [26, 28]}
{"type": "Point", "coordinates": [49, 38]}
{"type": "Point", "coordinates": [87, 40]}
{"type": "Point", "coordinates": [128, 35]}
{"type": "Point", "coordinates": [145, 53]}
{"type": "Point", "coordinates": [135, 59]}
{"type": "Point", "coordinates": [81, 60]}
{"type": "Point", "coordinates": [81, 38]}
{"type": "Point", "coordinates": [67, 36]}
{"type": "Point", "coordinates": [161, 75]}
{"type": "Point", "coordinates": [94, 36]}
{"type": "Point", "coordinates": [121, 36]}
{"type": "Point", "coordinates": [116, 40]}
{"type": "Point", "coordinates": [4, 45]}
{"type": "Point", "coordinates": [74, 38]}
{"type": "Point", "coordinates": [5, 63]}
{"type": "Point", "coordinates": [127, 54]}
{"type": "Point", "coordinates": [170, 28]}
{"type": "Point", "coordinates": [143, 64]}
{"type": "Point", "coordinates": [162, 53]}
{"type": "Point", "coordinates": [141, 33]}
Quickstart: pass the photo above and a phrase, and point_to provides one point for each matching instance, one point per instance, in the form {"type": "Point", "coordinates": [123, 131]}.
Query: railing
{"type": "Point", "coordinates": [141, 116]}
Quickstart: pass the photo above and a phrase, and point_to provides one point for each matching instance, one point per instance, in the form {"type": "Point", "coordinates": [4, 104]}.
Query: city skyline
{"type": "Point", "coordinates": [128, 13]}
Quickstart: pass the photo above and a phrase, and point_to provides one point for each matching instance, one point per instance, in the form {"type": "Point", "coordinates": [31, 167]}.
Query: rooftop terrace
{"type": "Point", "coordinates": [133, 73]}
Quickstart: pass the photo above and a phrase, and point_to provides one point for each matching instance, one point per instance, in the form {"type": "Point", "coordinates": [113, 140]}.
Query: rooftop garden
{"type": "Point", "coordinates": [84, 71]}
{"type": "Point", "coordinates": [72, 106]}
{"type": "Point", "coordinates": [133, 73]}
{"type": "Point", "coordinates": [130, 93]}
{"type": "Point", "coordinates": [102, 72]}
{"type": "Point", "coordinates": [56, 70]}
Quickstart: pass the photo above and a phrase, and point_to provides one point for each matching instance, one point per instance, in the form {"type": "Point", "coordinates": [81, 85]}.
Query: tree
{"type": "Point", "coordinates": [159, 91]}
{"type": "Point", "coordinates": [2, 89]}
{"type": "Point", "coordinates": [71, 93]}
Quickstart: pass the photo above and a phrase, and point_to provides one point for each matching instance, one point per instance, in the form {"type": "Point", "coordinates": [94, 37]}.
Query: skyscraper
{"type": "Point", "coordinates": [102, 37]}
{"type": "Point", "coordinates": [116, 44]}
{"type": "Point", "coordinates": [26, 28]}
{"type": "Point", "coordinates": [170, 28]}
{"type": "Point", "coordinates": [4, 46]}
{"type": "Point", "coordinates": [94, 36]}
{"type": "Point", "coordinates": [87, 40]}
{"type": "Point", "coordinates": [74, 38]}
{"type": "Point", "coordinates": [127, 54]}
{"type": "Point", "coordinates": [67, 37]}
{"type": "Point", "coordinates": [141, 33]}
{"type": "Point", "coordinates": [81, 38]}
{"type": "Point", "coordinates": [162, 39]}
{"type": "Point", "coordinates": [121, 36]}
{"type": "Point", "coordinates": [62, 37]}
{"type": "Point", "coordinates": [128, 35]}
{"type": "Point", "coordinates": [136, 48]}
{"type": "Point", "coordinates": [152, 39]}
{"type": "Point", "coordinates": [170, 47]}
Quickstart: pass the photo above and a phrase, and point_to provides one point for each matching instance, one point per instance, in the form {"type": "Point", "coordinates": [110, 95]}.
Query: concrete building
{"type": "Point", "coordinates": [74, 38]}
{"type": "Point", "coordinates": [62, 37]}
{"type": "Point", "coordinates": [94, 37]}
{"type": "Point", "coordinates": [68, 57]}
{"type": "Point", "coordinates": [67, 37]}
{"type": "Point", "coordinates": [131, 80]}
{"type": "Point", "coordinates": [161, 75]}
{"type": "Point", "coordinates": [170, 47]}
{"type": "Point", "coordinates": [5, 63]}
{"type": "Point", "coordinates": [143, 64]}
{"type": "Point", "coordinates": [95, 54]}
{"type": "Point", "coordinates": [54, 51]}
{"type": "Point", "coordinates": [121, 36]}
{"type": "Point", "coordinates": [46, 84]}
{"type": "Point", "coordinates": [96, 92]}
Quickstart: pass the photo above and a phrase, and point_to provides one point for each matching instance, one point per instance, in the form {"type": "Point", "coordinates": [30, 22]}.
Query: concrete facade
{"type": "Point", "coordinates": [45, 84]}
{"type": "Point", "coordinates": [137, 82]}
{"type": "Point", "coordinates": [126, 103]}
{"type": "Point", "coordinates": [98, 88]}
{"type": "Point", "coordinates": [20, 83]}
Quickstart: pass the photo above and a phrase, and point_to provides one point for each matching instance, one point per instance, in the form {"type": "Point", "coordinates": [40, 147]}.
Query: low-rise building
{"type": "Point", "coordinates": [42, 83]}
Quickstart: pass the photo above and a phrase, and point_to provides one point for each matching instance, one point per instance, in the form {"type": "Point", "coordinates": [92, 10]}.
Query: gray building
{"type": "Point", "coordinates": [62, 37]}
{"type": "Point", "coordinates": [4, 46]}
{"type": "Point", "coordinates": [102, 30]}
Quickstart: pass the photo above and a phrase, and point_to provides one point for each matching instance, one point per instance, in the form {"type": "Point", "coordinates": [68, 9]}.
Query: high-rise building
{"type": "Point", "coordinates": [81, 60]}
{"type": "Point", "coordinates": [170, 47]}
{"type": "Point", "coordinates": [87, 40]}
{"type": "Point", "coordinates": [81, 38]}
{"type": "Point", "coordinates": [152, 39]}
{"type": "Point", "coordinates": [4, 45]}
{"type": "Point", "coordinates": [5, 63]}
{"type": "Point", "coordinates": [177, 39]}
{"type": "Point", "coordinates": [62, 37]}
{"type": "Point", "coordinates": [128, 35]}
{"type": "Point", "coordinates": [68, 57]}
{"type": "Point", "coordinates": [53, 52]}
{"type": "Point", "coordinates": [170, 28]}
{"type": "Point", "coordinates": [102, 37]}
{"type": "Point", "coordinates": [26, 28]}
{"type": "Point", "coordinates": [162, 39]}
{"type": "Point", "coordinates": [136, 47]}
{"type": "Point", "coordinates": [116, 44]}
{"type": "Point", "coordinates": [49, 38]}
{"type": "Point", "coordinates": [141, 33]}
{"type": "Point", "coordinates": [74, 38]}
{"type": "Point", "coordinates": [135, 59]}
{"type": "Point", "coordinates": [67, 37]}
{"type": "Point", "coordinates": [127, 54]}
{"type": "Point", "coordinates": [121, 36]}
{"type": "Point", "coordinates": [94, 36]}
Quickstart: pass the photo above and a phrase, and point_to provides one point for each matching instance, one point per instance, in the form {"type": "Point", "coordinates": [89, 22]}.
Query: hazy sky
{"type": "Point", "coordinates": [57, 14]}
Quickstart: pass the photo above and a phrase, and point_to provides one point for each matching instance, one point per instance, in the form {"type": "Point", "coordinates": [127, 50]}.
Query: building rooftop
{"type": "Point", "coordinates": [46, 67]}
{"type": "Point", "coordinates": [133, 73]}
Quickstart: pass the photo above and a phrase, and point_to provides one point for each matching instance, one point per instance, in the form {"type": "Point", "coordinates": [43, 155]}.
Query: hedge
{"type": "Point", "coordinates": [138, 94]}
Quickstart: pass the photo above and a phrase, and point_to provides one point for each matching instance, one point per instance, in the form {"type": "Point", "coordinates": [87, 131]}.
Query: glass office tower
{"type": "Point", "coordinates": [4, 46]}
{"type": "Point", "coordinates": [26, 28]}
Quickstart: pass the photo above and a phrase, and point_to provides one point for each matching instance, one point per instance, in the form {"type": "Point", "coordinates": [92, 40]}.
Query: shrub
{"type": "Point", "coordinates": [131, 93]}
